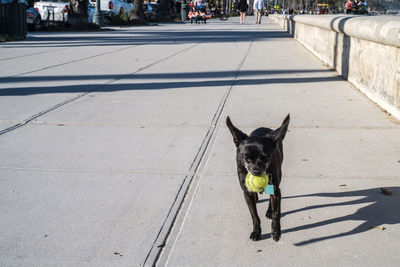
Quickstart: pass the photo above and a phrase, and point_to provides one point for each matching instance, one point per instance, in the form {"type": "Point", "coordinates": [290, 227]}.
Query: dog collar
{"type": "Point", "coordinates": [270, 189]}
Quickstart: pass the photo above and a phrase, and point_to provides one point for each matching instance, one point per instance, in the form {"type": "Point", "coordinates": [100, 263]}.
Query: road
{"type": "Point", "coordinates": [115, 153]}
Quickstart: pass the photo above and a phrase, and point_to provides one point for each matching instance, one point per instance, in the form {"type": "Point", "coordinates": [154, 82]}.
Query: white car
{"type": "Point", "coordinates": [53, 10]}
{"type": "Point", "coordinates": [111, 8]}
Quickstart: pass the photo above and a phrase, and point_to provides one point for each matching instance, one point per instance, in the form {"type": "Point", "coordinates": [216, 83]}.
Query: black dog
{"type": "Point", "coordinates": [261, 153]}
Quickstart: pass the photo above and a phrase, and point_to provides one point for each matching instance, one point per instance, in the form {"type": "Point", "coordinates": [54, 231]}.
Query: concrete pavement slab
{"type": "Point", "coordinates": [159, 94]}
{"type": "Point", "coordinates": [339, 152]}
{"type": "Point", "coordinates": [20, 108]}
{"type": "Point", "coordinates": [323, 224]}
{"type": "Point", "coordinates": [102, 148]}
{"type": "Point", "coordinates": [24, 96]}
{"type": "Point", "coordinates": [85, 69]}
{"type": "Point", "coordinates": [139, 107]}
{"type": "Point", "coordinates": [52, 57]}
{"type": "Point", "coordinates": [15, 51]}
{"type": "Point", "coordinates": [81, 217]}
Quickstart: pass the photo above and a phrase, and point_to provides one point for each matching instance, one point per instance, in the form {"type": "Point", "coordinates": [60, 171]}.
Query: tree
{"type": "Point", "coordinates": [78, 13]}
{"type": "Point", "coordinates": [137, 14]}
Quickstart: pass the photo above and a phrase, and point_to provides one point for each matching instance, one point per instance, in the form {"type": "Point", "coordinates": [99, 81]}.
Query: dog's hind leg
{"type": "Point", "coordinates": [276, 215]}
{"type": "Point", "coordinates": [251, 204]}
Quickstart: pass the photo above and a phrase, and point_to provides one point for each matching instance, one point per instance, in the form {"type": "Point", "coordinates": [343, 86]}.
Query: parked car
{"type": "Point", "coordinates": [33, 19]}
{"type": "Point", "coordinates": [53, 10]}
{"type": "Point", "coordinates": [110, 8]}
{"type": "Point", "coordinates": [150, 10]}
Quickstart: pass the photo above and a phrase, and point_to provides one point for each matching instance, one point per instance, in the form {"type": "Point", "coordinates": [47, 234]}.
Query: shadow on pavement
{"type": "Point", "coordinates": [381, 209]}
{"type": "Point", "coordinates": [180, 75]}
{"type": "Point", "coordinates": [101, 87]}
{"type": "Point", "coordinates": [123, 38]}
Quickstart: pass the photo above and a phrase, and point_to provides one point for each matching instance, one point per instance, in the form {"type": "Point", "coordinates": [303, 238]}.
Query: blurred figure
{"type": "Point", "coordinates": [348, 7]}
{"type": "Point", "coordinates": [258, 9]}
{"type": "Point", "coordinates": [243, 6]}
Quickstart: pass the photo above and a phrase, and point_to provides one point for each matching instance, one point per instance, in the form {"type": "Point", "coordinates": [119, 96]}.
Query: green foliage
{"type": "Point", "coordinates": [121, 19]}
{"type": "Point", "coordinates": [5, 38]}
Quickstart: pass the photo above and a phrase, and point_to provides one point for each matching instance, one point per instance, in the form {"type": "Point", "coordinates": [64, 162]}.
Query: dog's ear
{"type": "Point", "coordinates": [238, 135]}
{"type": "Point", "coordinates": [280, 133]}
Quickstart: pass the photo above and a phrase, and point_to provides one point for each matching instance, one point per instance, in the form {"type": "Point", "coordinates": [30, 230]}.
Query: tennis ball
{"type": "Point", "coordinates": [256, 183]}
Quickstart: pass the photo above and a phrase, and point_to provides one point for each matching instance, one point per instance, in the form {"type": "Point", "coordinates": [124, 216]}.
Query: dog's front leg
{"type": "Point", "coordinates": [270, 205]}
{"type": "Point", "coordinates": [275, 201]}
{"type": "Point", "coordinates": [251, 203]}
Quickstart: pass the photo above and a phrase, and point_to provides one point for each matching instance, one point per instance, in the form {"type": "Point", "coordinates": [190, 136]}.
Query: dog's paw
{"type": "Point", "coordinates": [255, 236]}
{"type": "Point", "coordinates": [276, 236]}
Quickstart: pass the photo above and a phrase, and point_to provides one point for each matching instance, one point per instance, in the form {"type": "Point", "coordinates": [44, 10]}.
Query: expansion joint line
{"type": "Point", "coordinates": [182, 194]}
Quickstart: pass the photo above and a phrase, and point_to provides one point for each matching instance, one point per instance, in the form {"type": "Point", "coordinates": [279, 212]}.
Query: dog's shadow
{"type": "Point", "coordinates": [381, 209]}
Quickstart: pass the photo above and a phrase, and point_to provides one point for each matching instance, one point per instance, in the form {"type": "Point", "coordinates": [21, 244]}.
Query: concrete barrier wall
{"type": "Point", "coordinates": [365, 50]}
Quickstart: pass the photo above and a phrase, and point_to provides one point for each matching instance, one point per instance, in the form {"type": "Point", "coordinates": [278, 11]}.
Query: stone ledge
{"type": "Point", "coordinates": [365, 50]}
{"type": "Point", "coordinates": [379, 29]}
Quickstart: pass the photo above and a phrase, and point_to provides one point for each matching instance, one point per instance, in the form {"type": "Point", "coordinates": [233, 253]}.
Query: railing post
{"type": "Point", "coordinates": [13, 20]}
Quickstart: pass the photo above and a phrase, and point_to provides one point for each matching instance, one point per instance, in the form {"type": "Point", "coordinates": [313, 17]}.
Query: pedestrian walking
{"type": "Point", "coordinates": [243, 7]}
{"type": "Point", "coordinates": [258, 9]}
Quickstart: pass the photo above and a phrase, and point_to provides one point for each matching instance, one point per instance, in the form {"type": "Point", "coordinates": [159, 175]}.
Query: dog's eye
{"type": "Point", "coordinates": [248, 160]}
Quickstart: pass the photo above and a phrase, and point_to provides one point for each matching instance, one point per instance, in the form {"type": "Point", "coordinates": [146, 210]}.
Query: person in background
{"type": "Point", "coordinates": [200, 4]}
{"type": "Point", "coordinates": [258, 9]}
{"type": "Point", "coordinates": [362, 7]}
{"type": "Point", "coordinates": [348, 7]}
{"type": "Point", "coordinates": [354, 7]}
{"type": "Point", "coordinates": [243, 6]}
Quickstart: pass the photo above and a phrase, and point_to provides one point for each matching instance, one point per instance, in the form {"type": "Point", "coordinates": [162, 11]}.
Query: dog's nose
{"type": "Point", "coordinates": [257, 172]}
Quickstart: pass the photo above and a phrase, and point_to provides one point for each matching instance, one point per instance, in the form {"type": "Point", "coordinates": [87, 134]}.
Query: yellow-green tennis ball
{"type": "Point", "coordinates": [256, 183]}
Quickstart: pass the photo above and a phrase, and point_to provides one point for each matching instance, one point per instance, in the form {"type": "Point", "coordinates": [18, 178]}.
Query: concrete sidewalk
{"type": "Point", "coordinates": [339, 152]}
{"type": "Point", "coordinates": [116, 153]}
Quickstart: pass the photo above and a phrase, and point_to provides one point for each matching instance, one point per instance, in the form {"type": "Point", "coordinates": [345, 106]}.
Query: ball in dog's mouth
{"type": "Point", "coordinates": [256, 183]}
